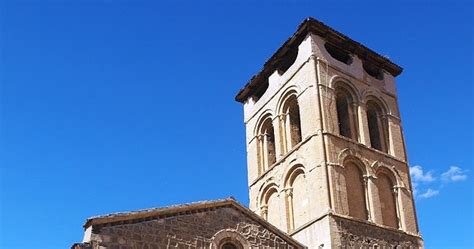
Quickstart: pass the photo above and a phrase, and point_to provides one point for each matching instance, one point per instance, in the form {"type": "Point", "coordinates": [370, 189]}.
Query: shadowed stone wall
{"type": "Point", "coordinates": [347, 233]}
{"type": "Point", "coordinates": [189, 230]}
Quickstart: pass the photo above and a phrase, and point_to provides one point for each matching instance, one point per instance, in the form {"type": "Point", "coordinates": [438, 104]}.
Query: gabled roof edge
{"type": "Point", "coordinates": [184, 208]}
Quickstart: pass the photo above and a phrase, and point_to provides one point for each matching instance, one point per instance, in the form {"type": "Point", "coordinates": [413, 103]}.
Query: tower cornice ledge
{"type": "Point", "coordinates": [313, 26]}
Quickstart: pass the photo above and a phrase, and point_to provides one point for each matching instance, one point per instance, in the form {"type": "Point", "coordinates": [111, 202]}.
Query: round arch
{"type": "Point", "coordinates": [265, 191]}
{"type": "Point", "coordinates": [292, 173]}
{"type": "Point", "coordinates": [391, 172]}
{"type": "Point", "coordinates": [349, 156]}
{"type": "Point", "coordinates": [229, 236]}
{"type": "Point", "coordinates": [287, 94]}
{"type": "Point", "coordinates": [338, 81]}
{"type": "Point", "coordinates": [375, 95]}
{"type": "Point", "coordinates": [386, 184]}
{"type": "Point", "coordinates": [267, 114]}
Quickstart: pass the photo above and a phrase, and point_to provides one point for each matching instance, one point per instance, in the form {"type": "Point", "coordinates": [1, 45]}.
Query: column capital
{"type": "Point", "coordinates": [369, 177]}
{"type": "Point", "coordinates": [395, 189]}
{"type": "Point", "coordinates": [333, 164]}
{"type": "Point", "coordinates": [264, 209]}
{"type": "Point", "coordinates": [282, 116]}
{"type": "Point", "coordinates": [288, 192]}
{"type": "Point", "coordinates": [391, 118]}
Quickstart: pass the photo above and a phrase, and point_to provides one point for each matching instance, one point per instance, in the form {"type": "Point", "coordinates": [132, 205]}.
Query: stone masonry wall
{"type": "Point", "coordinates": [347, 233]}
{"type": "Point", "coordinates": [193, 230]}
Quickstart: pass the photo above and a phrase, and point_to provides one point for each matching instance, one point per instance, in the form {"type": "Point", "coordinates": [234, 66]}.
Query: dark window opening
{"type": "Point", "coordinates": [229, 245]}
{"type": "Point", "coordinates": [338, 54]}
{"type": "Point", "coordinates": [260, 90]}
{"type": "Point", "coordinates": [343, 115]}
{"type": "Point", "coordinates": [373, 70]}
{"type": "Point", "coordinates": [287, 60]}
{"type": "Point", "coordinates": [376, 127]}
{"type": "Point", "coordinates": [266, 146]}
{"type": "Point", "coordinates": [295, 122]}
{"type": "Point", "coordinates": [270, 137]}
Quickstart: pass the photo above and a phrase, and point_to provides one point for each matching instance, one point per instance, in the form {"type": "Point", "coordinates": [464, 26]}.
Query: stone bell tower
{"type": "Point", "coordinates": [326, 154]}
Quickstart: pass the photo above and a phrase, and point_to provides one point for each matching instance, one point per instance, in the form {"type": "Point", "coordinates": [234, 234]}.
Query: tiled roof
{"type": "Point", "coordinates": [311, 25]}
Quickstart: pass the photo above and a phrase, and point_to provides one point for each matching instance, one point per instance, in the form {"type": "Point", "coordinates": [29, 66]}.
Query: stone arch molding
{"type": "Point", "coordinates": [350, 154]}
{"type": "Point", "coordinates": [378, 167]}
{"type": "Point", "coordinates": [286, 94]}
{"type": "Point", "coordinates": [339, 80]}
{"type": "Point", "coordinates": [228, 235]}
{"type": "Point", "coordinates": [268, 113]}
{"type": "Point", "coordinates": [373, 93]}
{"type": "Point", "coordinates": [291, 171]}
{"type": "Point", "coordinates": [265, 188]}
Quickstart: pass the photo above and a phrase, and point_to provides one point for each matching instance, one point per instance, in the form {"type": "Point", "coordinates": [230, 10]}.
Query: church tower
{"type": "Point", "coordinates": [326, 154]}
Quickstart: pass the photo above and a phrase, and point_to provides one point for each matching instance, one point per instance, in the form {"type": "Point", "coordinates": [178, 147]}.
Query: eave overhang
{"type": "Point", "coordinates": [313, 26]}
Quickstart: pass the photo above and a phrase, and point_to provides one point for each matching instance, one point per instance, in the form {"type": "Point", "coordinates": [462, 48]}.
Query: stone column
{"type": "Point", "coordinates": [363, 125]}
{"type": "Point", "coordinates": [283, 130]}
{"type": "Point", "coordinates": [396, 197]}
{"type": "Point", "coordinates": [264, 212]}
{"type": "Point", "coordinates": [369, 188]}
{"type": "Point", "coordinates": [384, 133]}
{"type": "Point", "coordinates": [265, 152]}
{"type": "Point", "coordinates": [375, 208]}
{"type": "Point", "coordinates": [354, 121]}
{"type": "Point", "coordinates": [260, 155]}
{"type": "Point", "coordinates": [278, 138]}
{"type": "Point", "coordinates": [289, 204]}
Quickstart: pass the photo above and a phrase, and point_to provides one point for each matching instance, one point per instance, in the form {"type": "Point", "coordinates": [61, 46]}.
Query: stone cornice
{"type": "Point", "coordinates": [313, 26]}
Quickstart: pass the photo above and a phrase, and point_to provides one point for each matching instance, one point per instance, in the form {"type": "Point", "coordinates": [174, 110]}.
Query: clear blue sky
{"type": "Point", "coordinates": [119, 105]}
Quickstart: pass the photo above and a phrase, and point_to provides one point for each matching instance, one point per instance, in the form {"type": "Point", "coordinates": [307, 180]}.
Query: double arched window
{"type": "Point", "coordinates": [266, 145]}
{"type": "Point", "coordinates": [290, 123]}
{"type": "Point", "coordinates": [289, 131]}
{"type": "Point", "coordinates": [358, 198]}
{"type": "Point", "coordinates": [345, 98]}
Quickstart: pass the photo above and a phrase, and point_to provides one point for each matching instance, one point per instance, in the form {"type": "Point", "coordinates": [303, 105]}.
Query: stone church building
{"type": "Point", "coordinates": [326, 157]}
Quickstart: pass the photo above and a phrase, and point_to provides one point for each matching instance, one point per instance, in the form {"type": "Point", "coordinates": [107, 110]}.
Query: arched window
{"type": "Point", "coordinates": [338, 54]}
{"type": "Point", "coordinates": [273, 212]}
{"type": "Point", "coordinates": [297, 199]}
{"type": "Point", "coordinates": [229, 245]}
{"type": "Point", "coordinates": [266, 145]}
{"type": "Point", "coordinates": [387, 198]}
{"type": "Point", "coordinates": [229, 239]}
{"type": "Point", "coordinates": [345, 113]}
{"type": "Point", "coordinates": [355, 189]}
{"type": "Point", "coordinates": [377, 126]}
{"type": "Point", "coordinates": [291, 123]}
